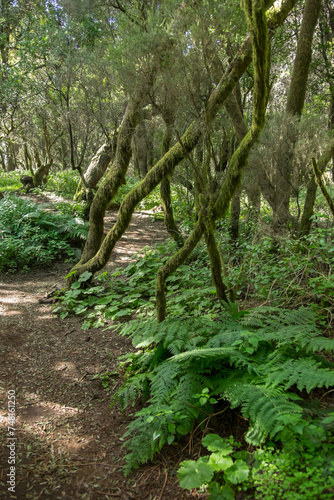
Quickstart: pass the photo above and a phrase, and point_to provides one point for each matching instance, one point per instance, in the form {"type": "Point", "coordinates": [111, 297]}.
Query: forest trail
{"type": "Point", "coordinates": [67, 439]}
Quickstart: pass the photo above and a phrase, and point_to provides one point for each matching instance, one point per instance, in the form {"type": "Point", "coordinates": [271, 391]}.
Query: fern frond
{"type": "Point", "coordinates": [130, 391]}
{"type": "Point", "coordinates": [304, 373]}
{"type": "Point", "coordinates": [164, 381]}
{"type": "Point", "coordinates": [251, 359]}
{"type": "Point", "coordinates": [267, 407]}
{"type": "Point", "coordinates": [207, 353]}
{"type": "Point", "coordinates": [320, 344]}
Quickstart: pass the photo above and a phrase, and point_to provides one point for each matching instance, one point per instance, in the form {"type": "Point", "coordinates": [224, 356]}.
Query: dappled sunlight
{"type": "Point", "coordinates": [3, 420]}
{"type": "Point", "coordinates": [45, 317]}
{"type": "Point", "coordinates": [15, 299]}
{"type": "Point", "coordinates": [63, 365]}
{"type": "Point", "coordinates": [13, 312]}
{"type": "Point", "coordinates": [66, 369]}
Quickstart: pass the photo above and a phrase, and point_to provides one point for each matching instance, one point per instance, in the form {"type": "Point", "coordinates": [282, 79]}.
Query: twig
{"type": "Point", "coordinates": [322, 397]}
{"type": "Point", "coordinates": [83, 376]}
{"type": "Point", "coordinates": [160, 497]}
{"type": "Point", "coordinates": [207, 422]}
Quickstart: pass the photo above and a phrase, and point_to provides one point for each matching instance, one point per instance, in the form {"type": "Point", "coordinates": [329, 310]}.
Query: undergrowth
{"type": "Point", "coordinates": [268, 472]}
{"type": "Point", "coordinates": [289, 272]}
{"type": "Point", "coordinates": [10, 181]}
{"type": "Point", "coordinates": [255, 360]}
{"type": "Point", "coordinates": [130, 292]}
{"type": "Point", "coordinates": [31, 235]}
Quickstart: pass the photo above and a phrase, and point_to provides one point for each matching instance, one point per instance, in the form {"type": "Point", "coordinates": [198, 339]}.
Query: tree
{"type": "Point", "coordinates": [277, 187]}
{"type": "Point", "coordinates": [96, 252]}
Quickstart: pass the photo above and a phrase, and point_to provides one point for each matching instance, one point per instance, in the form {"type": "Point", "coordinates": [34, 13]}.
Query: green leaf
{"type": "Point", "coordinates": [170, 439]}
{"type": "Point", "coordinates": [124, 312]}
{"type": "Point", "coordinates": [105, 300]}
{"type": "Point", "coordinates": [76, 284]}
{"type": "Point", "coordinates": [213, 442]}
{"type": "Point", "coordinates": [86, 325]}
{"type": "Point", "coordinates": [98, 323]}
{"type": "Point", "coordinates": [156, 435]}
{"type": "Point", "coordinates": [238, 472]}
{"type": "Point", "coordinates": [91, 300]}
{"type": "Point", "coordinates": [218, 492]}
{"type": "Point", "coordinates": [85, 276]}
{"type": "Point", "coordinates": [219, 461]}
{"type": "Point", "coordinates": [329, 419]}
{"type": "Point", "coordinates": [193, 474]}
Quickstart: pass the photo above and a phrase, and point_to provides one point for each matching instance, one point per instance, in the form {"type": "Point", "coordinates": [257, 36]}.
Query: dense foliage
{"type": "Point", "coordinates": [32, 235]}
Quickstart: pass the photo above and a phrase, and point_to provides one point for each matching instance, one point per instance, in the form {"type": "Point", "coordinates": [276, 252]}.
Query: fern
{"type": "Point", "coordinates": [303, 373]}
{"type": "Point", "coordinates": [252, 359]}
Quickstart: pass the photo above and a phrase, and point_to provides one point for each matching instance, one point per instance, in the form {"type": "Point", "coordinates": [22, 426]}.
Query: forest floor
{"type": "Point", "coordinates": [66, 439]}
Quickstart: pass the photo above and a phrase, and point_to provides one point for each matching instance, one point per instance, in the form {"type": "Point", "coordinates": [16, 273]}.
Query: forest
{"type": "Point", "coordinates": [167, 249]}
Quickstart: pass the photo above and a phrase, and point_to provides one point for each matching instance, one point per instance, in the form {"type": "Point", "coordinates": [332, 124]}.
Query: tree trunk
{"type": "Point", "coordinates": [2, 161]}
{"type": "Point", "coordinates": [97, 167]}
{"type": "Point", "coordinates": [41, 174]}
{"type": "Point", "coordinates": [294, 107]}
{"type": "Point", "coordinates": [258, 26]}
{"type": "Point", "coordinates": [306, 220]}
{"type": "Point", "coordinates": [112, 182]}
{"type": "Point", "coordinates": [10, 164]}
{"type": "Point", "coordinates": [234, 217]}
{"type": "Point", "coordinates": [140, 149]}
{"type": "Point", "coordinates": [215, 261]}
{"type": "Point", "coordinates": [322, 186]}
{"type": "Point", "coordinates": [171, 265]}
{"type": "Point", "coordinates": [165, 191]}
{"type": "Point", "coordinates": [236, 116]}
{"type": "Point", "coordinates": [28, 159]}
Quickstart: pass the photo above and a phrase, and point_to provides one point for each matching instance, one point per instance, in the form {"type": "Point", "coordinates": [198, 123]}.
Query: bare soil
{"type": "Point", "coordinates": [66, 440]}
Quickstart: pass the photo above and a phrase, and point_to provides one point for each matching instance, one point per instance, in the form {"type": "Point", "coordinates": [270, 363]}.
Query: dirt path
{"type": "Point", "coordinates": [66, 441]}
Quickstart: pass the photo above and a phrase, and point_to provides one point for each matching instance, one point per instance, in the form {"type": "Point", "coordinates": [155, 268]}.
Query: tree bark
{"type": "Point", "coordinates": [172, 264]}
{"type": "Point", "coordinates": [140, 149]}
{"type": "Point", "coordinates": [112, 182]}
{"type": "Point", "coordinates": [96, 169]}
{"type": "Point", "coordinates": [306, 220]}
{"type": "Point", "coordinates": [322, 186]}
{"type": "Point", "coordinates": [42, 172]}
{"type": "Point", "coordinates": [165, 190]}
{"type": "Point", "coordinates": [235, 210]}
{"type": "Point", "coordinates": [215, 261]}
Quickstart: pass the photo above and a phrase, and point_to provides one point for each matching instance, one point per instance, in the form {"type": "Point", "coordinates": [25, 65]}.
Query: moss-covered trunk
{"type": "Point", "coordinates": [41, 175]}
{"type": "Point", "coordinates": [256, 18]}
{"type": "Point", "coordinates": [165, 190]}
{"type": "Point", "coordinates": [171, 265]}
{"type": "Point", "coordinates": [113, 180]}
{"type": "Point", "coordinates": [322, 186]}
{"type": "Point", "coordinates": [140, 149]}
{"type": "Point", "coordinates": [215, 261]}
{"type": "Point", "coordinates": [311, 191]}
{"type": "Point", "coordinates": [234, 216]}
{"type": "Point", "coordinates": [96, 169]}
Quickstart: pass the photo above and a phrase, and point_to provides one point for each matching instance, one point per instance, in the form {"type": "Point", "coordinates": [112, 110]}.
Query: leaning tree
{"type": "Point", "coordinates": [98, 249]}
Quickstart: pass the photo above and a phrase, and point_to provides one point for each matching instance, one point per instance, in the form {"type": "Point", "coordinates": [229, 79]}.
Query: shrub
{"type": "Point", "coordinates": [30, 235]}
